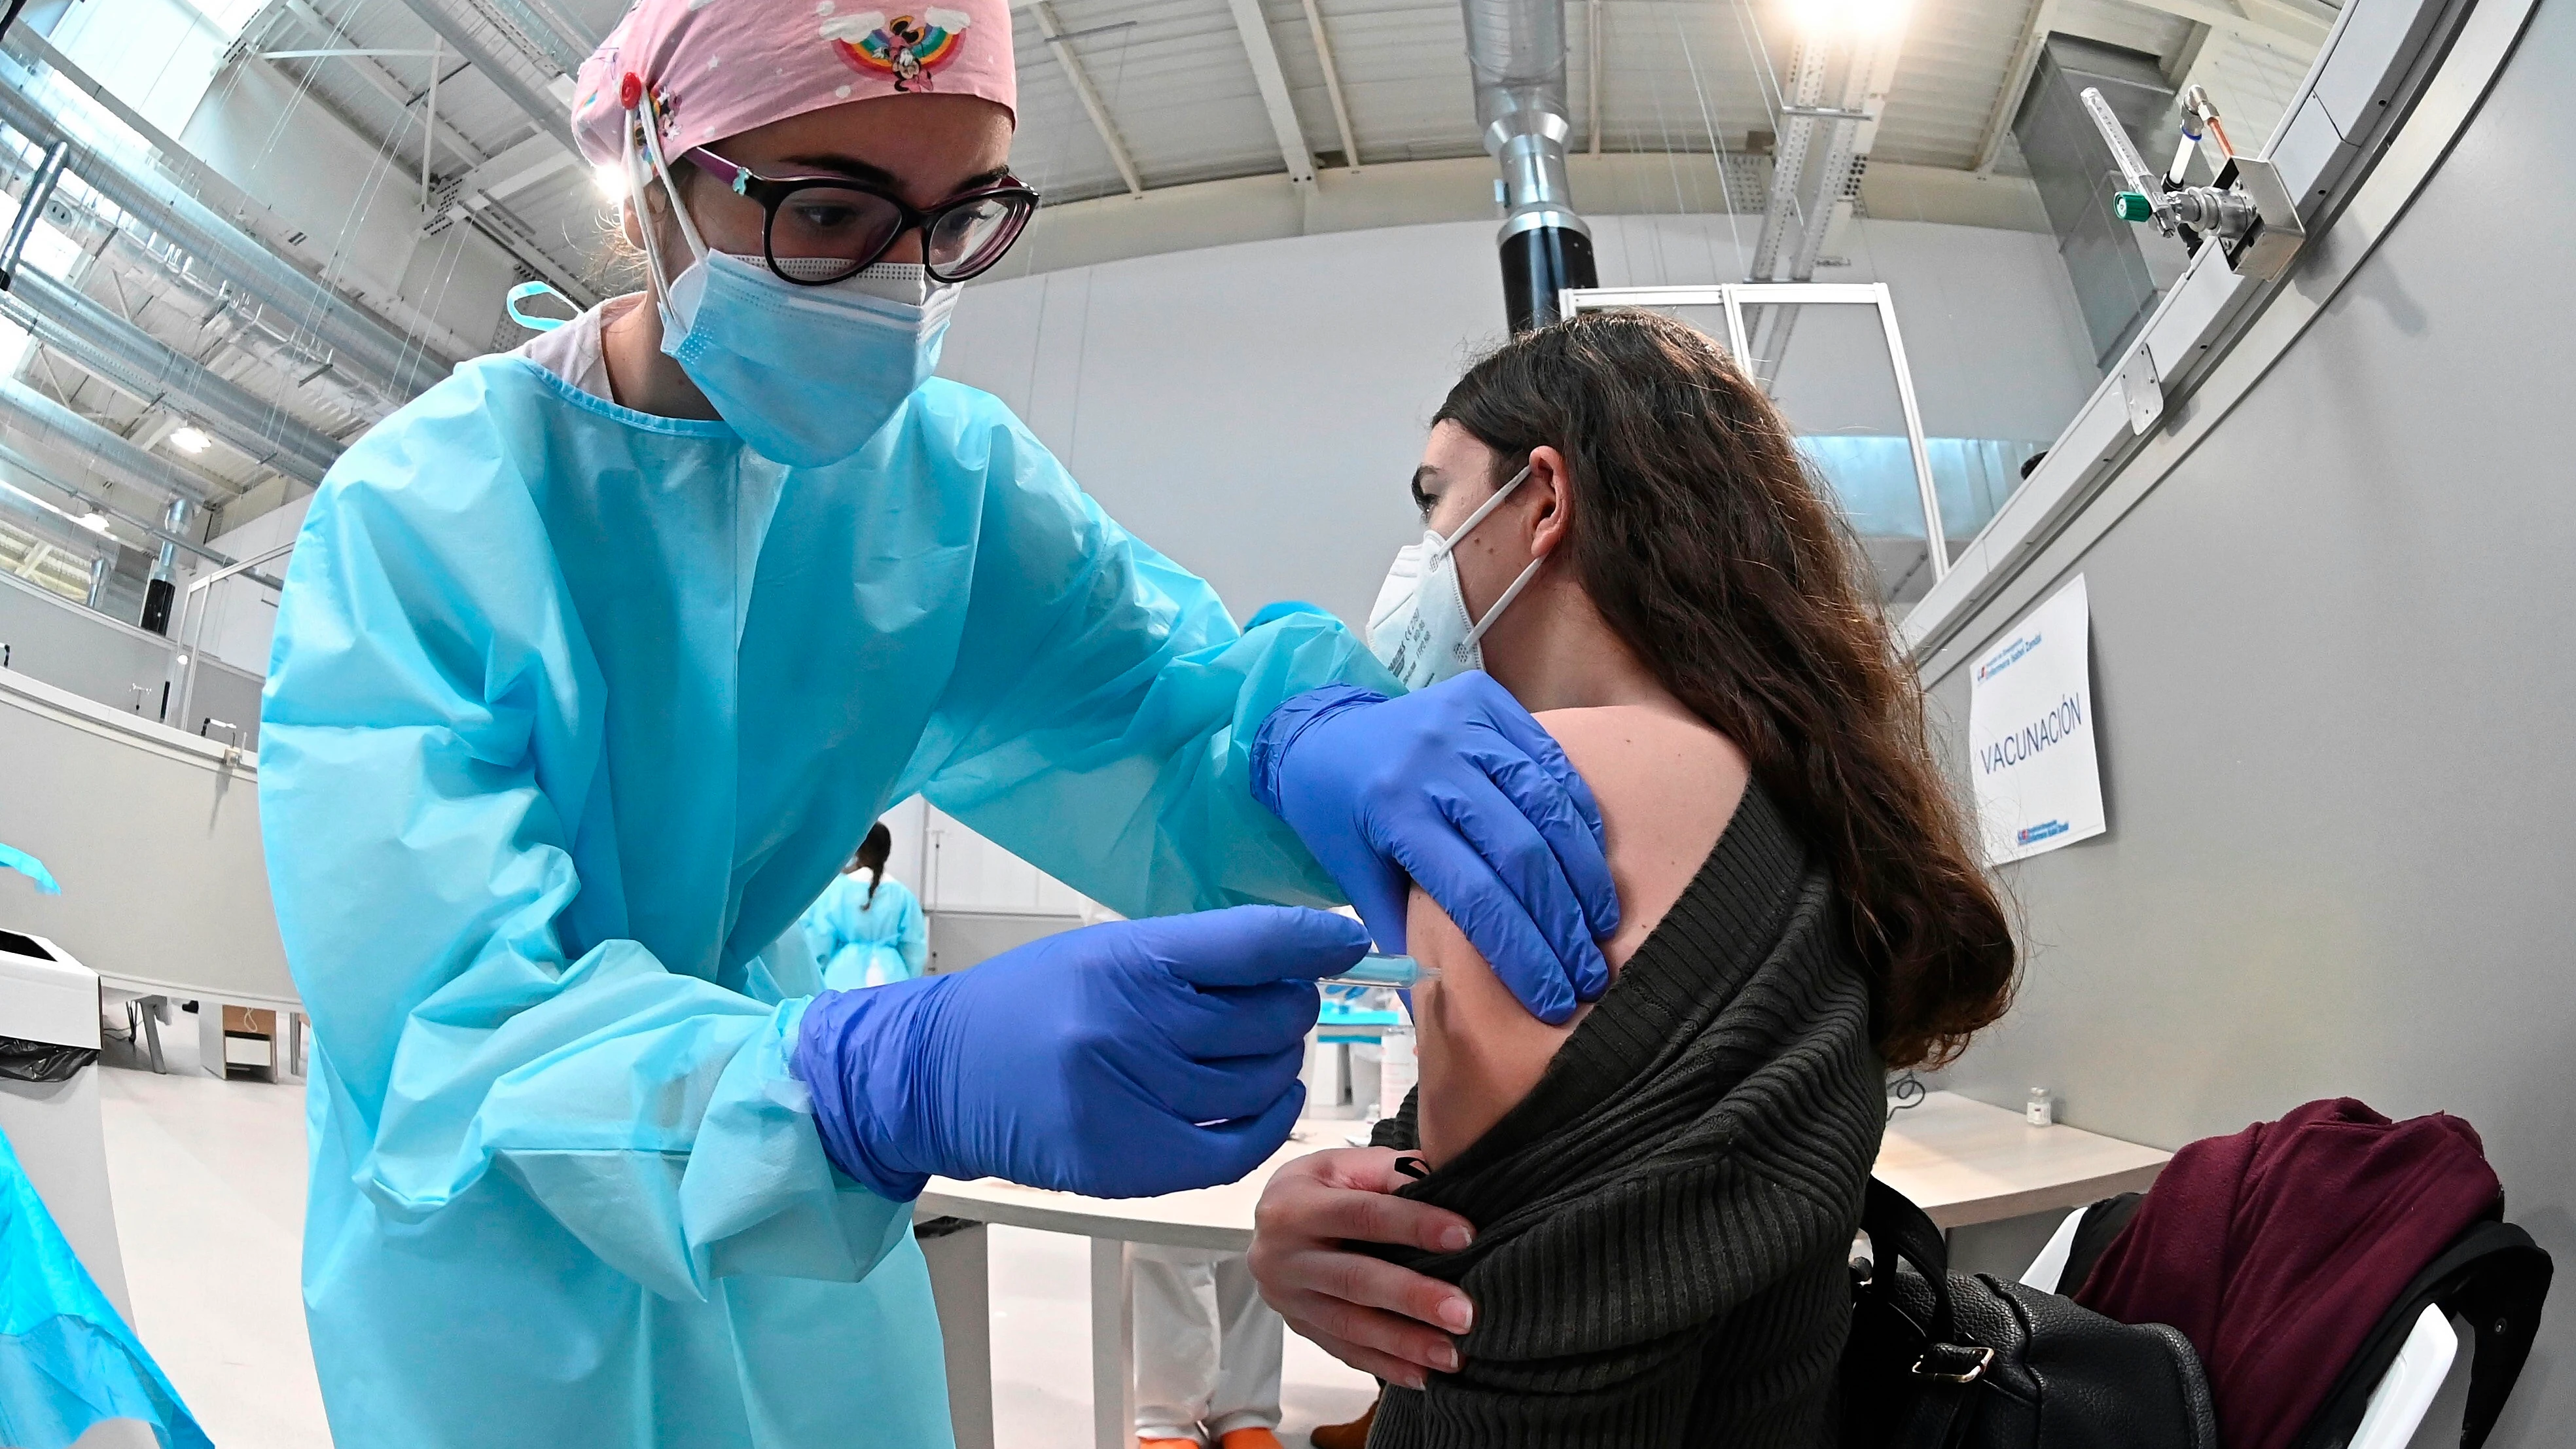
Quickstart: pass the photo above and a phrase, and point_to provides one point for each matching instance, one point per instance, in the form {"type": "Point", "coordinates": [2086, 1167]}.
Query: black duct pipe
{"type": "Point", "coordinates": [1516, 53]}
{"type": "Point", "coordinates": [1540, 262]}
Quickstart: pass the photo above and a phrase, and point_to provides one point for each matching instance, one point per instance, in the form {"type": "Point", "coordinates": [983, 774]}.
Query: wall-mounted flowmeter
{"type": "Point", "coordinates": [2247, 210]}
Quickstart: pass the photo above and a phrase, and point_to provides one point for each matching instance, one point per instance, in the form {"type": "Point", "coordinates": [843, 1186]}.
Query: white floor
{"type": "Point", "coordinates": [209, 1184]}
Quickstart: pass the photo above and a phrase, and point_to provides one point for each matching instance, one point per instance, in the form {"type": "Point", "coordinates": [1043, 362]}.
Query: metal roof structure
{"type": "Point", "coordinates": [1116, 97]}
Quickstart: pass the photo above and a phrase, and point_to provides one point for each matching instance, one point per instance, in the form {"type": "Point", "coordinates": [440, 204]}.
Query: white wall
{"type": "Point", "coordinates": [1254, 410]}
{"type": "Point", "coordinates": [241, 616]}
{"type": "Point", "coordinates": [362, 209]}
{"type": "Point", "coordinates": [156, 55]}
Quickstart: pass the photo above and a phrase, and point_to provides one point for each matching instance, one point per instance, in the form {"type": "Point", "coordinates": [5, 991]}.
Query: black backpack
{"type": "Point", "coordinates": [1942, 1360]}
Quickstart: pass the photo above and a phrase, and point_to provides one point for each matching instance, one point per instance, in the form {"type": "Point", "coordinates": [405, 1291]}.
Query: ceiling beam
{"type": "Point", "coordinates": [522, 166]}
{"type": "Point", "coordinates": [2276, 22]}
{"type": "Point", "coordinates": [1592, 57]}
{"type": "Point", "coordinates": [2017, 73]}
{"type": "Point", "coordinates": [550, 117]}
{"type": "Point", "coordinates": [550, 32]}
{"type": "Point", "coordinates": [1051, 31]}
{"type": "Point", "coordinates": [379, 78]}
{"type": "Point", "coordinates": [1333, 84]}
{"type": "Point", "coordinates": [1258, 47]}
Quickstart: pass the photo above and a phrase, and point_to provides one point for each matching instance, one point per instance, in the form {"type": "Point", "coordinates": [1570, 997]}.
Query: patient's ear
{"type": "Point", "coordinates": [1552, 514]}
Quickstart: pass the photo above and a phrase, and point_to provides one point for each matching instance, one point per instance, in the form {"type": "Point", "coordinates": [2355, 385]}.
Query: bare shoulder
{"type": "Point", "coordinates": [1667, 785]}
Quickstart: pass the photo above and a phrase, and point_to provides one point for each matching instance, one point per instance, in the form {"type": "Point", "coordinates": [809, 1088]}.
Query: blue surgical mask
{"type": "Point", "coordinates": [805, 374]}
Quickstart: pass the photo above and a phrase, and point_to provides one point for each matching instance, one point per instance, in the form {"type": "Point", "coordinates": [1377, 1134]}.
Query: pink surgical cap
{"type": "Point", "coordinates": [717, 68]}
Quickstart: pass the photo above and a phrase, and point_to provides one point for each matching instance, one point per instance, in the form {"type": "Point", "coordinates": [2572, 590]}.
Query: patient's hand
{"type": "Point", "coordinates": [1667, 784]}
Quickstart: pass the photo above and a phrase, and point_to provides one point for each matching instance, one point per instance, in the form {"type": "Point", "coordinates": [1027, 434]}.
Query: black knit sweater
{"type": "Point", "coordinates": [1663, 1224]}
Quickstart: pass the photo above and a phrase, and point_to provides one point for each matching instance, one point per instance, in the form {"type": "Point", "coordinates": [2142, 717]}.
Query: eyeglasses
{"type": "Point", "coordinates": [820, 230]}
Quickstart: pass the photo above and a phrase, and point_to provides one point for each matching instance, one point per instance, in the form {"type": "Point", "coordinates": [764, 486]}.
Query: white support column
{"type": "Point", "coordinates": [1113, 1346]}
{"type": "Point", "coordinates": [1333, 83]}
{"type": "Point", "coordinates": [1051, 30]}
{"type": "Point", "coordinates": [1872, 74]}
{"type": "Point", "coordinates": [1264, 55]}
{"type": "Point", "coordinates": [961, 1289]}
{"type": "Point", "coordinates": [1789, 159]}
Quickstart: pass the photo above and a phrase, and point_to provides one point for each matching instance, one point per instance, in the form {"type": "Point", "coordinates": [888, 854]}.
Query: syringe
{"type": "Point", "coordinates": [1400, 972]}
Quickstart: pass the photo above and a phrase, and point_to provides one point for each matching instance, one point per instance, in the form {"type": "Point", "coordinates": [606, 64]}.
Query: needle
{"type": "Point", "coordinates": [1400, 972]}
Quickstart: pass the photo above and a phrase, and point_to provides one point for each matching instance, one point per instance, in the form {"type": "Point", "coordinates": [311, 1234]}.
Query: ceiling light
{"type": "Point", "coordinates": [191, 439]}
{"type": "Point", "coordinates": [610, 179]}
{"type": "Point", "coordinates": [94, 521]}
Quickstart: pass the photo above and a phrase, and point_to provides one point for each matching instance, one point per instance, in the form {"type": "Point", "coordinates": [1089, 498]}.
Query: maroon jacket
{"type": "Point", "coordinates": [2276, 1250]}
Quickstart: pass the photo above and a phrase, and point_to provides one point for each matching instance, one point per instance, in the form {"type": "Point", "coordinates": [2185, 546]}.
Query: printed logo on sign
{"type": "Point", "coordinates": [2041, 831]}
{"type": "Point", "coordinates": [2006, 657]}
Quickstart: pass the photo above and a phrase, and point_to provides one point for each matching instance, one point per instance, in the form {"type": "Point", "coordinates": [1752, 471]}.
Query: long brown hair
{"type": "Point", "coordinates": [872, 855]}
{"type": "Point", "coordinates": [1699, 535]}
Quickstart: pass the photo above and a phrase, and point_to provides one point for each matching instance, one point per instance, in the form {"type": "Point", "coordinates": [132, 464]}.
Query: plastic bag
{"type": "Point", "coordinates": [42, 1061]}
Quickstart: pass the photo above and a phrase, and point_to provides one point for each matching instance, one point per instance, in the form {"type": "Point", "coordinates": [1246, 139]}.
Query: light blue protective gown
{"type": "Point", "coordinates": [571, 710]}
{"type": "Point", "coordinates": [859, 939]}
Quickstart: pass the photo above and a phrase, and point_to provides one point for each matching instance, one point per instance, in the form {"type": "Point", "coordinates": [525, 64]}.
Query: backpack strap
{"type": "Point", "coordinates": [2499, 1289]}
{"type": "Point", "coordinates": [2494, 1277]}
{"type": "Point", "coordinates": [2100, 1227]}
{"type": "Point", "coordinates": [1900, 1231]}
{"type": "Point", "coordinates": [1943, 1370]}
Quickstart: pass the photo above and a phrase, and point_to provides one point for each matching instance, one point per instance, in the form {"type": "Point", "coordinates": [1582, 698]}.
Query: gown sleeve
{"type": "Point", "coordinates": [431, 756]}
{"type": "Point", "coordinates": [1100, 719]}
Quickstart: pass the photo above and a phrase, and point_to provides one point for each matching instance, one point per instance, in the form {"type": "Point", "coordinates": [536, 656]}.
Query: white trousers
{"type": "Point", "coordinates": [1207, 1347]}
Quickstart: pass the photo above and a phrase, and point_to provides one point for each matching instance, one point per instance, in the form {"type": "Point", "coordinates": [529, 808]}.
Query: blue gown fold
{"type": "Point", "coordinates": [572, 710]}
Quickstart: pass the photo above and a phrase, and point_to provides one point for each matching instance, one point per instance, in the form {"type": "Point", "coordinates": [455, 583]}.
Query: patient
{"type": "Point", "coordinates": [1664, 1190]}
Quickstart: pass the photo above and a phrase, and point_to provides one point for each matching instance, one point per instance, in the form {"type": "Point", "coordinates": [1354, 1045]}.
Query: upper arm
{"type": "Point", "coordinates": [1666, 788]}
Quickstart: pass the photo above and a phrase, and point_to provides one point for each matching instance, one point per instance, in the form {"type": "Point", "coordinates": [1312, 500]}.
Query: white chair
{"type": "Point", "coordinates": [2397, 1406]}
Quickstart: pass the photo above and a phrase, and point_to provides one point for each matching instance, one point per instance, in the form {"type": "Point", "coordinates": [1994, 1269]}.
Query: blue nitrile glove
{"type": "Point", "coordinates": [1456, 789]}
{"type": "Point", "coordinates": [1121, 1060]}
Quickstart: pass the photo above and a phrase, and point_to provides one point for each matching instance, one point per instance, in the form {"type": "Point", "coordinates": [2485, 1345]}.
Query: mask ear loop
{"type": "Point", "coordinates": [1482, 509]}
{"type": "Point", "coordinates": [643, 117]}
{"type": "Point", "coordinates": [1477, 630]}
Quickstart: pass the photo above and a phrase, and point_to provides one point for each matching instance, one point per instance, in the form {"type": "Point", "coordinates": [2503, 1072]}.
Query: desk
{"type": "Point", "coordinates": [1963, 1161]}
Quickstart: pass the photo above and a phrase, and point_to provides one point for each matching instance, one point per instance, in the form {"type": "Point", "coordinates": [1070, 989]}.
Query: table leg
{"type": "Point", "coordinates": [961, 1287]}
{"type": "Point", "coordinates": [1113, 1346]}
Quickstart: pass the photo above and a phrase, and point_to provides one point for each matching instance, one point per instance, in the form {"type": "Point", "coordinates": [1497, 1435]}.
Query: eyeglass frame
{"type": "Point", "coordinates": [772, 192]}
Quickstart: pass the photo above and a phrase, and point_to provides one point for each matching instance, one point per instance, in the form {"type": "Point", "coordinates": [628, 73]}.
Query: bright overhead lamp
{"type": "Point", "coordinates": [94, 521]}
{"type": "Point", "coordinates": [190, 439]}
{"type": "Point", "coordinates": [610, 180]}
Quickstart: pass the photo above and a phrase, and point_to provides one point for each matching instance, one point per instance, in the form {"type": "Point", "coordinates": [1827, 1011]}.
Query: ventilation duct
{"type": "Point", "coordinates": [1516, 52]}
{"type": "Point", "coordinates": [2116, 285]}
{"type": "Point", "coordinates": [149, 370]}
{"type": "Point", "coordinates": [39, 416]}
{"type": "Point", "coordinates": [372, 351]}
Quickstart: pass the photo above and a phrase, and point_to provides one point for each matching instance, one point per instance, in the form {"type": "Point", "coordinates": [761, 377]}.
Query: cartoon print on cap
{"type": "Point", "coordinates": [908, 47]}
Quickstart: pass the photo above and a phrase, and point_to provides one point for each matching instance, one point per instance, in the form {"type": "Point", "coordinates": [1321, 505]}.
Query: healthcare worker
{"type": "Point", "coordinates": [594, 658]}
{"type": "Point", "coordinates": [864, 932]}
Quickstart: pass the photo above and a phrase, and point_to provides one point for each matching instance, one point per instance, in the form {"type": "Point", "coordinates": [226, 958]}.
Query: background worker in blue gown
{"type": "Point", "coordinates": [593, 660]}
{"type": "Point", "coordinates": [864, 931]}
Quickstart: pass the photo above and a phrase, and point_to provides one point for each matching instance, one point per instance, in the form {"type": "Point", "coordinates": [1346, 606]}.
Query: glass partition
{"type": "Point", "coordinates": [1848, 394]}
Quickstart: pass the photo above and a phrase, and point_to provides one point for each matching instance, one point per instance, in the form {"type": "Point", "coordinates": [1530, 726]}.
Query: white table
{"type": "Point", "coordinates": [1963, 1161]}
